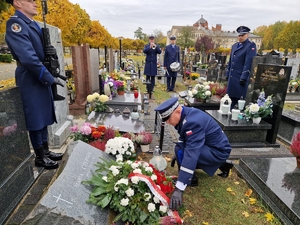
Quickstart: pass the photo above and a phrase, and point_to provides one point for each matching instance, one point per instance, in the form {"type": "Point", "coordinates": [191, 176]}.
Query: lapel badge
{"type": "Point", "coordinates": [15, 27]}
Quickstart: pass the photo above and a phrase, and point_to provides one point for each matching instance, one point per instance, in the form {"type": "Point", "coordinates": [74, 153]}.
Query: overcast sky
{"type": "Point", "coordinates": [122, 18]}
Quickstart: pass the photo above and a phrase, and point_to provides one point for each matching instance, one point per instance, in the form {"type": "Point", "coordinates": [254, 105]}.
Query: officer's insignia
{"type": "Point", "coordinates": [253, 49]}
{"type": "Point", "coordinates": [188, 133]}
{"type": "Point", "coordinates": [16, 27]}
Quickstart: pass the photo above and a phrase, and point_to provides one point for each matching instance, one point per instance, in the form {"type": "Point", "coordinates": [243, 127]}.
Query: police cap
{"type": "Point", "coordinates": [243, 30]}
{"type": "Point", "coordinates": [151, 36]}
{"type": "Point", "coordinates": [166, 108]}
{"type": "Point", "coordinates": [172, 37]}
{"type": "Point", "coordinates": [9, 1]}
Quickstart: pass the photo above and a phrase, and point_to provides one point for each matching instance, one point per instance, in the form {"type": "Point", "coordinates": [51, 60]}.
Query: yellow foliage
{"type": "Point", "coordinates": [205, 223]}
{"type": "Point", "coordinates": [245, 214]}
{"type": "Point", "coordinates": [237, 183]}
{"type": "Point", "coordinates": [229, 189]}
{"type": "Point", "coordinates": [248, 193]}
{"type": "Point", "coordinates": [4, 84]}
{"type": "Point", "coordinates": [269, 216]}
{"type": "Point", "coordinates": [252, 201]}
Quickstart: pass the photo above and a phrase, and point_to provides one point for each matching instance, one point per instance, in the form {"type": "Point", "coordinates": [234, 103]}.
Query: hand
{"type": "Point", "coordinates": [57, 82]}
{"type": "Point", "coordinates": [50, 50]}
{"type": "Point", "coordinates": [242, 82]}
{"type": "Point", "coordinates": [176, 199]}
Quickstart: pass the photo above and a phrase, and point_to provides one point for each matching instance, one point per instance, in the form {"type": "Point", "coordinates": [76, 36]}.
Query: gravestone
{"type": "Point", "coordinates": [94, 62]}
{"type": "Point", "coordinates": [273, 79]}
{"type": "Point", "coordinates": [289, 125]}
{"type": "Point", "coordinates": [17, 174]}
{"type": "Point", "coordinates": [295, 64]}
{"type": "Point", "coordinates": [65, 200]}
{"type": "Point", "coordinates": [60, 131]}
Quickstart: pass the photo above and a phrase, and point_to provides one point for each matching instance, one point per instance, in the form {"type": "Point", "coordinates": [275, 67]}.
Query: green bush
{"type": "Point", "coordinates": [7, 58]}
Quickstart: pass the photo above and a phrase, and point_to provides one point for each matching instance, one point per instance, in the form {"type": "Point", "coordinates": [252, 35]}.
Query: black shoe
{"type": "Point", "coordinates": [43, 161]}
{"type": "Point", "coordinates": [225, 168]}
{"type": "Point", "coordinates": [194, 182]}
{"type": "Point", "coordinates": [51, 155]}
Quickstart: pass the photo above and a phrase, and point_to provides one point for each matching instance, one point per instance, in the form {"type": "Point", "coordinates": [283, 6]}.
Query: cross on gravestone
{"type": "Point", "coordinates": [273, 79]}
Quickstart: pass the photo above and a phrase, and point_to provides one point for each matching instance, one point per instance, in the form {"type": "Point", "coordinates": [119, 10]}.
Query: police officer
{"type": "Point", "coordinates": [151, 50]}
{"type": "Point", "coordinates": [202, 144]}
{"type": "Point", "coordinates": [172, 54]}
{"type": "Point", "coordinates": [239, 65]}
{"type": "Point", "coordinates": [24, 39]}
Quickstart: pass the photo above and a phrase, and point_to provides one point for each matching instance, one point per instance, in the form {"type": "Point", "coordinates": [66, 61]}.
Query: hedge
{"type": "Point", "coordinates": [7, 58]}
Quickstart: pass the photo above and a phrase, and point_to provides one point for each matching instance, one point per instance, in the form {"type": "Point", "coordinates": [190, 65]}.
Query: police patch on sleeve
{"type": "Point", "coordinates": [15, 27]}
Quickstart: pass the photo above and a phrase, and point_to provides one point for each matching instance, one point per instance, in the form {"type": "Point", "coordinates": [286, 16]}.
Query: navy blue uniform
{"type": "Point", "coordinates": [150, 69]}
{"type": "Point", "coordinates": [203, 143]}
{"type": "Point", "coordinates": [239, 67]}
{"type": "Point", "coordinates": [172, 54]}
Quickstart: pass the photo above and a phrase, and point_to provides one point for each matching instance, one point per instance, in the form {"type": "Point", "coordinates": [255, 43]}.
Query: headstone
{"type": "Point", "coordinates": [65, 200]}
{"type": "Point", "coordinates": [127, 100]}
{"type": "Point", "coordinates": [273, 79]}
{"type": "Point", "coordinates": [295, 64]}
{"type": "Point", "coordinates": [111, 60]}
{"type": "Point", "coordinates": [17, 174]}
{"type": "Point", "coordinates": [60, 131]}
{"type": "Point", "coordinates": [94, 62]}
{"type": "Point", "coordinates": [82, 77]}
{"type": "Point", "coordinates": [289, 125]}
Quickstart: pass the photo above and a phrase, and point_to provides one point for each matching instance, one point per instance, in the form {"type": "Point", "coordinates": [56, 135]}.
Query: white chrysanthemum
{"type": "Point", "coordinates": [115, 172]}
{"type": "Point", "coordinates": [206, 83]}
{"type": "Point", "coordinates": [116, 187]}
{"type": "Point", "coordinates": [111, 84]}
{"type": "Point", "coordinates": [129, 192]}
{"type": "Point", "coordinates": [124, 201]}
{"type": "Point", "coordinates": [112, 168]}
{"type": "Point", "coordinates": [96, 95]}
{"type": "Point", "coordinates": [149, 169]}
{"type": "Point", "coordinates": [123, 181]}
{"type": "Point", "coordinates": [134, 165]}
{"type": "Point", "coordinates": [208, 93]}
{"type": "Point", "coordinates": [129, 162]}
{"type": "Point", "coordinates": [103, 98]}
{"type": "Point", "coordinates": [153, 177]}
{"type": "Point", "coordinates": [254, 108]}
{"type": "Point", "coordinates": [119, 158]}
{"type": "Point", "coordinates": [194, 92]}
{"type": "Point", "coordinates": [147, 196]}
{"type": "Point", "coordinates": [135, 180]}
{"type": "Point", "coordinates": [90, 98]}
{"type": "Point", "coordinates": [104, 178]}
{"type": "Point", "coordinates": [156, 199]}
{"type": "Point", "coordinates": [207, 87]}
{"type": "Point", "coordinates": [137, 171]}
{"type": "Point", "coordinates": [163, 208]}
{"type": "Point", "coordinates": [151, 207]}
{"type": "Point", "coordinates": [190, 93]}
{"type": "Point", "coordinates": [119, 144]}
{"type": "Point", "coordinates": [121, 151]}
{"type": "Point", "coordinates": [128, 153]}
{"type": "Point", "coordinates": [145, 164]}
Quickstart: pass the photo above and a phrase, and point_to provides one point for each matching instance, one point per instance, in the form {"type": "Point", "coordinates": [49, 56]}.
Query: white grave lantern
{"type": "Point", "coordinates": [222, 101]}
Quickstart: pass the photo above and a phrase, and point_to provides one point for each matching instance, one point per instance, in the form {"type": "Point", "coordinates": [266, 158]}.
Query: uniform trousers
{"type": "Point", "coordinates": [38, 137]}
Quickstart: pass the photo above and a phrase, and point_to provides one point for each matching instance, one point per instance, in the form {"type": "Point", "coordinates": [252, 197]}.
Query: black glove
{"type": "Point", "coordinates": [57, 81]}
{"type": "Point", "coordinates": [176, 199]}
{"type": "Point", "coordinates": [242, 82]}
{"type": "Point", "coordinates": [227, 78]}
{"type": "Point", "coordinates": [50, 50]}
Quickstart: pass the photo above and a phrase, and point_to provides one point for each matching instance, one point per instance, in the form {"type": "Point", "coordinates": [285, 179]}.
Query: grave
{"type": "Point", "coordinates": [123, 122]}
{"type": "Point", "coordinates": [127, 100]}
{"type": "Point", "coordinates": [208, 105]}
{"type": "Point", "coordinates": [277, 181]}
{"type": "Point", "coordinates": [65, 200]}
{"type": "Point", "coordinates": [242, 135]}
{"type": "Point", "coordinates": [17, 172]}
{"type": "Point", "coordinates": [295, 64]}
{"type": "Point", "coordinates": [289, 125]}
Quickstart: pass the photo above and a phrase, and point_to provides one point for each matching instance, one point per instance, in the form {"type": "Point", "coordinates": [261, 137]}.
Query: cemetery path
{"type": "Point", "coordinates": [7, 70]}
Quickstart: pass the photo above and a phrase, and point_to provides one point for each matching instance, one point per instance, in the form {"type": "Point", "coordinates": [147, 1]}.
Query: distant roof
{"type": "Point", "coordinates": [201, 20]}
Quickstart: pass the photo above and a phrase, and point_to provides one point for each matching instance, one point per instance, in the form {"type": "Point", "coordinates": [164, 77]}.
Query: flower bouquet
{"type": "Point", "coordinates": [194, 76]}
{"type": "Point", "coordinates": [262, 108]}
{"type": "Point", "coordinates": [120, 85]}
{"type": "Point", "coordinates": [120, 147]}
{"type": "Point", "coordinates": [143, 138]}
{"type": "Point", "coordinates": [135, 190]}
{"type": "Point", "coordinates": [293, 85]}
{"type": "Point", "coordinates": [98, 102]}
{"type": "Point", "coordinates": [200, 92]}
{"type": "Point", "coordinates": [87, 133]}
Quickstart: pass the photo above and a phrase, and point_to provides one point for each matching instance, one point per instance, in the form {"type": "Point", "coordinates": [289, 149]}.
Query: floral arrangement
{"type": "Point", "coordinates": [9, 130]}
{"type": "Point", "coordinates": [98, 102]}
{"type": "Point", "coordinates": [194, 76]}
{"type": "Point", "coordinates": [134, 85]}
{"type": "Point", "coordinates": [295, 146]}
{"type": "Point", "coordinates": [121, 148]}
{"type": "Point", "coordinates": [125, 188]}
{"type": "Point", "coordinates": [262, 108]}
{"type": "Point", "coordinates": [294, 84]}
{"type": "Point", "coordinates": [200, 92]}
{"type": "Point", "coordinates": [218, 89]}
{"type": "Point", "coordinates": [143, 138]}
{"type": "Point", "coordinates": [87, 132]}
{"type": "Point", "coordinates": [120, 85]}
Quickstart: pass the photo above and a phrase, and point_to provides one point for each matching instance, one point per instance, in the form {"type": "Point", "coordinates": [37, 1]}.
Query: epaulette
{"type": "Point", "coordinates": [14, 16]}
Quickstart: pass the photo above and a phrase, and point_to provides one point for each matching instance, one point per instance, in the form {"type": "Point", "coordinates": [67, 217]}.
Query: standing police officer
{"type": "Point", "coordinates": [24, 39]}
{"type": "Point", "coordinates": [151, 50]}
{"type": "Point", "coordinates": [202, 144]}
{"type": "Point", "coordinates": [239, 65]}
{"type": "Point", "coordinates": [172, 54]}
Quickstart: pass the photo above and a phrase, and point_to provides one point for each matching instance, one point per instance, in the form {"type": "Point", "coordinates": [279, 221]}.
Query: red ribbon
{"type": "Point", "coordinates": [158, 193]}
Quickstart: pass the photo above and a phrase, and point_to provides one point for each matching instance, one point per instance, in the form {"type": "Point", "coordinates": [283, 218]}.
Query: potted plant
{"type": "Point", "coordinates": [194, 76]}
{"type": "Point", "coordinates": [295, 148]}
{"type": "Point", "coordinates": [144, 139]}
{"type": "Point", "coordinates": [120, 86]}
{"type": "Point", "coordinates": [200, 92]}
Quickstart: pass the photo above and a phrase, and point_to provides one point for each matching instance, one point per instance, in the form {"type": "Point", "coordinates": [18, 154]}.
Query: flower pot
{"type": "Point", "coordinates": [121, 92]}
{"type": "Point", "coordinates": [298, 162]}
{"type": "Point", "coordinates": [256, 120]}
{"type": "Point", "coordinates": [145, 148]}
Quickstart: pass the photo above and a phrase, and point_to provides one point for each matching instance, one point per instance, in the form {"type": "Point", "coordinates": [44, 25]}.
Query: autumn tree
{"type": "Point", "coordinates": [138, 34]}
{"type": "Point", "coordinates": [260, 31]}
{"type": "Point", "coordinates": [184, 39]}
{"type": "Point", "coordinates": [97, 35]}
{"type": "Point", "coordinates": [271, 34]}
{"type": "Point", "coordinates": [204, 44]}
{"type": "Point", "coordinates": [138, 44]}
{"type": "Point", "coordinates": [289, 37]}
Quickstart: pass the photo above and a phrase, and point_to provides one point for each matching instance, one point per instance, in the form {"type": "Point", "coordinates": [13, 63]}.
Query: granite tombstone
{"type": "Point", "coordinates": [273, 79]}
{"type": "Point", "coordinates": [65, 200]}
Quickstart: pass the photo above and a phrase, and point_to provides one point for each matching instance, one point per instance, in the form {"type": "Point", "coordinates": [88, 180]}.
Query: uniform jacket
{"type": "Point", "coordinates": [239, 67]}
{"type": "Point", "coordinates": [171, 55]}
{"type": "Point", "coordinates": [151, 60]}
{"type": "Point", "coordinates": [24, 39]}
{"type": "Point", "coordinates": [203, 142]}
